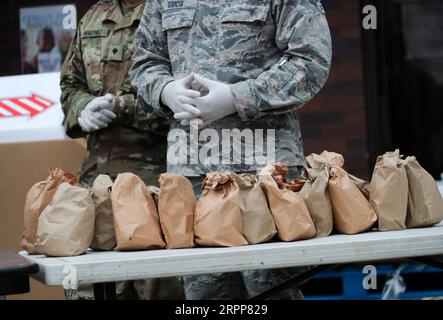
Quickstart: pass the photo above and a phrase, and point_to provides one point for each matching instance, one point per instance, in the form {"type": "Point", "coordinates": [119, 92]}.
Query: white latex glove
{"type": "Point", "coordinates": [98, 114]}
{"type": "Point", "coordinates": [216, 105]}
{"type": "Point", "coordinates": [172, 94]}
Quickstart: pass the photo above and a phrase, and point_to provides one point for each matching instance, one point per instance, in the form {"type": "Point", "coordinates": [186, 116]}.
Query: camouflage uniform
{"type": "Point", "coordinates": [274, 54]}
{"type": "Point", "coordinates": [98, 63]}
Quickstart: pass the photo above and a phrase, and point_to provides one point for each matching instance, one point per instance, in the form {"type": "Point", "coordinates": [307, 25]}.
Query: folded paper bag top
{"type": "Point", "coordinates": [66, 226]}
{"type": "Point", "coordinates": [104, 232]}
{"type": "Point", "coordinates": [329, 159]}
{"type": "Point", "coordinates": [334, 159]}
{"type": "Point", "coordinates": [136, 222]}
{"type": "Point", "coordinates": [425, 203]}
{"type": "Point", "coordinates": [280, 172]}
{"type": "Point", "coordinates": [352, 212]}
{"type": "Point", "coordinates": [155, 192]}
{"type": "Point", "coordinates": [218, 219]}
{"type": "Point", "coordinates": [176, 209]}
{"type": "Point", "coordinates": [389, 191]}
{"type": "Point", "coordinates": [316, 196]}
{"type": "Point", "coordinates": [257, 220]}
{"type": "Point", "coordinates": [288, 208]}
{"type": "Point", "coordinates": [37, 199]}
{"type": "Point", "coordinates": [317, 162]}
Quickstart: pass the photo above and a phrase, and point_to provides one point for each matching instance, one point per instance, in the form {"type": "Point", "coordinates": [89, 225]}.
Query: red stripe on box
{"type": "Point", "coordinates": [8, 108]}
{"type": "Point", "coordinates": [31, 110]}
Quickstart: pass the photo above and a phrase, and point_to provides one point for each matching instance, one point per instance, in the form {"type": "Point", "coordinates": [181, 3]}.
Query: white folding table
{"type": "Point", "coordinates": [100, 268]}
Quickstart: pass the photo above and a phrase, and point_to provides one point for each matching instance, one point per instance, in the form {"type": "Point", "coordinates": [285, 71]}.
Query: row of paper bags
{"type": "Point", "coordinates": [400, 195]}
{"type": "Point", "coordinates": [62, 219]}
{"type": "Point", "coordinates": [234, 209]}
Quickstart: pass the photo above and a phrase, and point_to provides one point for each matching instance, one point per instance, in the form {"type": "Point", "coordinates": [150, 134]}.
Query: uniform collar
{"type": "Point", "coordinates": [115, 15]}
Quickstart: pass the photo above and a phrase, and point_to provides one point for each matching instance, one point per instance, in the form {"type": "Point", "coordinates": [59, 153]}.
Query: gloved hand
{"type": "Point", "coordinates": [216, 105]}
{"type": "Point", "coordinates": [98, 114]}
{"type": "Point", "coordinates": [174, 91]}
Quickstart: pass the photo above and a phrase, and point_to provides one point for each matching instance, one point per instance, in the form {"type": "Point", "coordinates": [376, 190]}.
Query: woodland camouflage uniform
{"type": "Point", "coordinates": [98, 63]}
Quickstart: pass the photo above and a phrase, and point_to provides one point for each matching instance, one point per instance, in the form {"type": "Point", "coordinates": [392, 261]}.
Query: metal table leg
{"type": "Point", "coordinates": [104, 291]}
{"type": "Point", "coordinates": [293, 282]}
{"type": "Point", "coordinates": [436, 261]}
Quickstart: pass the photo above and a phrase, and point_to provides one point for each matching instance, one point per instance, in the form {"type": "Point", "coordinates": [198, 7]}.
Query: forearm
{"type": "Point", "coordinates": [151, 70]}
{"type": "Point", "coordinates": [150, 74]}
{"type": "Point", "coordinates": [75, 94]}
{"type": "Point", "coordinates": [293, 85]}
{"type": "Point", "coordinates": [74, 101]}
{"type": "Point", "coordinates": [299, 74]}
{"type": "Point", "coordinates": [127, 106]}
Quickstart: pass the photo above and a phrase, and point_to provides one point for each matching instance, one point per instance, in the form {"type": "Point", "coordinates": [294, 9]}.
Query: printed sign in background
{"type": "Point", "coordinates": [44, 41]}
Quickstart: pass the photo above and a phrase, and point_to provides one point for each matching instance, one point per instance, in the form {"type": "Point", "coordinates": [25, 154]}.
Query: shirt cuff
{"type": "Point", "coordinates": [155, 99]}
{"type": "Point", "coordinates": [244, 101]}
{"type": "Point", "coordinates": [125, 104]}
{"type": "Point", "coordinates": [80, 102]}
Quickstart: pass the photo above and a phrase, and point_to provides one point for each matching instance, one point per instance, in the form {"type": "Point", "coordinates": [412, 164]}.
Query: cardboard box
{"type": "Point", "coordinates": [32, 140]}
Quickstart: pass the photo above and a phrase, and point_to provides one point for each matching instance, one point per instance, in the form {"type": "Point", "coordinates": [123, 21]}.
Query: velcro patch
{"type": "Point", "coordinates": [175, 4]}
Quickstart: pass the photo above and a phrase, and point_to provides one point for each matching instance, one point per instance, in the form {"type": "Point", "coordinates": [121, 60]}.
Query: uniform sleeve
{"type": "Point", "coordinates": [128, 108]}
{"type": "Point", "coordinates": [151, 69]}
{"type": "Point", "coordinates": [303, 36]}
{"type": "Point", "coordinates": [75, 92]}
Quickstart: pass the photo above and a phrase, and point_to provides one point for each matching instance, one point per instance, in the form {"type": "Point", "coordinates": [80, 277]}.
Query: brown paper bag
{"type": "Point", "coordinates": [104, 232]}
{"type": "Point", "coordinates": [155, 192]}
{"type": "Point", "coordinates": [176, 208]}
{"type": "Point", "coordinates": [258, 224]}
{"type": "Point", "coordinates": [37, 200]}
{"type": "Point", "coordinates": [389, 192]}
{"type": "Point", "coordinates": [316, 196]}
{"type": "Point", "coordinates": [333, 158]}
{"type": "Point", "coordinates": [425, 203]}
{"type": "Point", "coordinates": [136, 222]}
{"type": "Point", "coordinates": [66, 226]}
{"type": "Point", "coordinates": [352, 212]}
{"type": "Point", "coordinates": [217, 216]}
{"type": "Point", "coordinates": [330, 159]}
{"type": "Point", "coordinates": [288, 208]}
{"type": "Point", "coordinates": [362, 185]}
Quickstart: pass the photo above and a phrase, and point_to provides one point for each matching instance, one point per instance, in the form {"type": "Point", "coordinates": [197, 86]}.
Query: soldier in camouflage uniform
{"type": "Point", "coordinates": [97, 64]}
{"type": "Point", "coordinates": [274, 55]}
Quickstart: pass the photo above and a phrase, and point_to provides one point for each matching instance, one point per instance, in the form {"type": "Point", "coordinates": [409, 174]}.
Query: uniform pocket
{"type": "Point", "coordinates": [247, 32]}
{"type": "Point", "coordinates": [92, 45]}
{"type": "Point", "coordinates": [92, 54]}
{"type": "Point", "coordinates": [178, 18]}
{"type": "Point", "coordinates": [246, 11]}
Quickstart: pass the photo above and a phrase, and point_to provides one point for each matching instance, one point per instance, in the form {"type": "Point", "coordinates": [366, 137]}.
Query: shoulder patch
{"type": "Point", "coordinates": [319, 5]}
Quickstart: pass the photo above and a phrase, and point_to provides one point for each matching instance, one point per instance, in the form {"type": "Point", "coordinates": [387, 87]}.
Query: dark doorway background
{"type": "Point", "coordinates": [403, 63]}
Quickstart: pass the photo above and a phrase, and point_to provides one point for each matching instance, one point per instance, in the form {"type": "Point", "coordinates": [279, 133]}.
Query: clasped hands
{"type": "Point", "coordinates": [188, 104]}
{"type": "Point", "coordinates": [97, 114]}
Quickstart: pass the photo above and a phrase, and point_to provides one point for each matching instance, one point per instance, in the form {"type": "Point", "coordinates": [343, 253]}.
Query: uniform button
{"type": "Point", "coordinates": [115, 51]}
